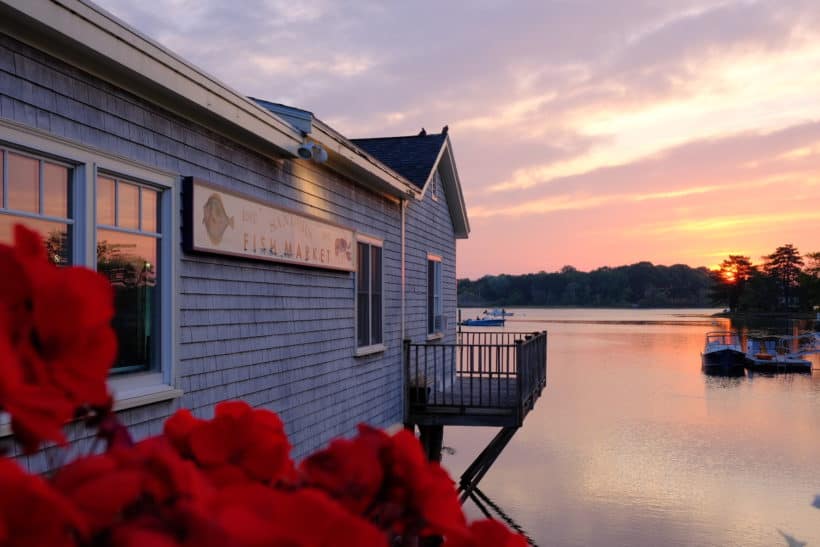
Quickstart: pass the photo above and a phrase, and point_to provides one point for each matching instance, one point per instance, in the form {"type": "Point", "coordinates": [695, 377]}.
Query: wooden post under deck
{"type": "Point", "coordinates": [432, 439]}
{"type": "Point", "coordinates": [476, 471]}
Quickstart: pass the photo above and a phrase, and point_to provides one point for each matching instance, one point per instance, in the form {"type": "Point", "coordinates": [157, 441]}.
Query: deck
{"type": "Point", "coordinates": [486, 379]}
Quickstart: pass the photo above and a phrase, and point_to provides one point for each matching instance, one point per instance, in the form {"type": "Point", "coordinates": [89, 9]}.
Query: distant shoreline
{"type": "Point", "coordinates": [576, 307]}
{"type": "Point", "coordinates": [767, 315]}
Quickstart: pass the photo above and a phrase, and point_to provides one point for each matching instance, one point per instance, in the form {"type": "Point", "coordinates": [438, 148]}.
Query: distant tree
{"type": "Point", "coordinates": [784, 266]}
{"type": "Point", "coordinates": [810, 280]}
{"type": "Point", "coordinates": [762, 293]}
{"type": "Point", "coordinates": [641, 284]}
{"type": "Point", "coordinates": [731, 280]}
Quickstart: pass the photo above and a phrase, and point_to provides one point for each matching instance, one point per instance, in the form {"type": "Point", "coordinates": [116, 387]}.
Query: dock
{"type": "Point", "coordinates": [486, 379]}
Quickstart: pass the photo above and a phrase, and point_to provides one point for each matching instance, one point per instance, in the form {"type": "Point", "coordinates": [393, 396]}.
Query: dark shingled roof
{"type": "Point", "coordinates": [412, 157]}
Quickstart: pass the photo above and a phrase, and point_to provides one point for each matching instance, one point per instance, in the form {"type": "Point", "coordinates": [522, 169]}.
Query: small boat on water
{"type": "Point", "coordinates": [498, 312]}
{"type": "Point", "coordinates": [483, 322]}
{"type": "Point", "coordinates": [780, 353]}
{"type": "Point", "coordinates": [486, 319]}
{"type": "Point", "coordinates": [722, 354]}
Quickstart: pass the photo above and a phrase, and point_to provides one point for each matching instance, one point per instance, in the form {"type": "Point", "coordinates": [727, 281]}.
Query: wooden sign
{"type": "Point", "coordinates": [224, 222]}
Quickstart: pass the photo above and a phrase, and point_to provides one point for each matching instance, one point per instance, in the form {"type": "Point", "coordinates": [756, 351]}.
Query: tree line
{"type": "Point", "coordinates": [643, 284]}
{"type": "Point", "coordinates": [785, 281]}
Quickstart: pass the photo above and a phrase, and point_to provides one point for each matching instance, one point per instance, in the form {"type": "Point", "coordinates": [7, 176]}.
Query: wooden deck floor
{"type": "Point", "coordinates": [469, 401]}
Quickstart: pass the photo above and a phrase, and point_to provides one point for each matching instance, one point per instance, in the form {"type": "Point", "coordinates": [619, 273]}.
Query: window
{"type": "Point", "coordinates": [369, 293]}
{"type": "Point", "coordinates": [434, 303]}
{"type": "Point", "coordinates": [36, 192]}
{"type": "Point", "coordinates": [77, 197]}
{"type": "Point", "coordinates": [128, 246]}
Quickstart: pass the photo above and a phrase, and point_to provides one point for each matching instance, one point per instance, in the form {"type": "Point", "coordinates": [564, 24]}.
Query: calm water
{"type": "Point", "coordinates": [631, 445]}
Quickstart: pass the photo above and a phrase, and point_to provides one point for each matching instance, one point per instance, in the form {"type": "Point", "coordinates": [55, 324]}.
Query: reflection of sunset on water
{"type": "Point", "coordinates": [631, 443]}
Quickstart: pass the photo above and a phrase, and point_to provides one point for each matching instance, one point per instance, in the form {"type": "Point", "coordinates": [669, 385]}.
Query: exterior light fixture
{"type": "Point", "coordinates": [312, 151]}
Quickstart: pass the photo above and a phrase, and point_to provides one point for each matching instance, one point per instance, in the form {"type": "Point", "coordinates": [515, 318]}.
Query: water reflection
{"type": "Point", "coordinates": [630, 444]}
{"type": "Point", "coordinates": [490, 509]}
{"type": "Point", "coordinates": [129, 261]}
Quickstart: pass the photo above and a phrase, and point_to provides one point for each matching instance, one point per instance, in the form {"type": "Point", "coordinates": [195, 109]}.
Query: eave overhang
{"type": "Point", "coordinates": [87, 37]}
{"type": "Point", "coordinates": [446, 166]}
{"type": "Point", "coordinates": [92, 40]}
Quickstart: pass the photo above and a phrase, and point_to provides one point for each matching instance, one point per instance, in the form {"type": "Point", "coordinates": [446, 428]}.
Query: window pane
{"type": "Point", "coordinates": [128, 205]}
{"type": "Point", "coordinates": [376, 295]}
{"type": "Point", "coordinates": [55, 190]}
{"type": "Point", "coordinates": [438, 320]}
{"type": "Point", "coordinates": [24, 183]}
{"type": "Point", "coordinates": [149, 210]}
{"type": "Point", "coordinates": [105, 201]}
{"type": "Point", "coordinates": [56, 235]}
{"type": "Point", "coordinates": [431, 301]}
{"type": "Point", "coordinates": [362, 295]}
{"type": "Point", "coordinates": [130, 263]}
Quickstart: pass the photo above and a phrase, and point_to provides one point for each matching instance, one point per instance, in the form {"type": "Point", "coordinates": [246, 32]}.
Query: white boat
{"type": "Point", "coordinates": [498, 312]}
{"type": "Point", "coordinates": [722, 354]}
{"type": "Point", "coordinates": [781, 353]}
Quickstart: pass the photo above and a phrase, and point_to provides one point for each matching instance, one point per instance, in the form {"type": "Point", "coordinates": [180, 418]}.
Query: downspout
{"type": "Point", "coordinates": [405, 353]}
{"type": "Point", "coordinates": [403, 205]}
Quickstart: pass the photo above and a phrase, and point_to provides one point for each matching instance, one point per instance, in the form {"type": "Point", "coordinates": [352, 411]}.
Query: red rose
{"type": "Point", "coordinates": [240, 443]}
{"type": "Point", "coordinates": [33, 513]}
{"type": "Point", "coordinates": [56, 341]}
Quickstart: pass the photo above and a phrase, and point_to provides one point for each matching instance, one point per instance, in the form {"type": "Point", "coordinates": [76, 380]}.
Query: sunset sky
{"type": "Point", "coordinates": [586, 133]}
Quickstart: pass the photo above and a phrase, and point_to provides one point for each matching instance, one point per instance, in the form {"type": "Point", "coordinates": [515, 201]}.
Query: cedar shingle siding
{"type": "Point", "coordinates": [429, 230]}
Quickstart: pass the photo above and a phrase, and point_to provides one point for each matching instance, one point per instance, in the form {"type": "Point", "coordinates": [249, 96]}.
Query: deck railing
{"type": "Point", "coordinates": [502, 371]}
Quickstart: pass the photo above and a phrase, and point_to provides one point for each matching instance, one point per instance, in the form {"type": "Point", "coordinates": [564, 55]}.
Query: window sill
{"type": "Point", "coordinates": [133, 390]}
{"type": "Point", "coordinates": [369, 350]}
{"type": "Point", "coordinates": [435, 336]}
{"type": "Point", "coordinates": [142, 396]}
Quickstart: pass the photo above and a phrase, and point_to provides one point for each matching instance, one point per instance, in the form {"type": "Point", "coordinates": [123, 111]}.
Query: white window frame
{"type": "Point", "coordinates": [381, 346]}
{"type": "Point", "coordinates": [129, 389]}
{"type": "Point", "coordinates": [438, 298]}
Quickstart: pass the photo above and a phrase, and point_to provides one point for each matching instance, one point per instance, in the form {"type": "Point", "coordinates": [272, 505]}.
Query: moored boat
{"type": "Point", "coordinates": [483, 322]}
{"type": "Point", "coordinates": [780, 353]}
{"type": "Point", "coordinates": [722, 354]}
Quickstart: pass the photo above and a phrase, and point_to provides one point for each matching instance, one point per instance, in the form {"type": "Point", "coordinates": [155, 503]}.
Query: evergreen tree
{"type": "Point", "coordinates": [731, 280]}
{"type": "Point", "coordinates": [810, 279]}
{"type": "Point", "coordinates": [784, 266]}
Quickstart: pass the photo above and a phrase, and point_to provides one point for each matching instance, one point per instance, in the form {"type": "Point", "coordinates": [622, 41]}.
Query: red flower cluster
{"type": "Point", "coordinates": [240, 444]}
{"type": "Point", "coordinates": [389, 480]}
{"type": "Point", "coordinates": [228, 481]}
{"type": "Point", "coordinates": [56, 340]}
{"type": "Point", "coordinates": [32, 512]}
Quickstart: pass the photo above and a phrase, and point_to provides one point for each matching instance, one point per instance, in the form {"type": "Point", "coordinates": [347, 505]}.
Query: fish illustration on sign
{"type": "Point", "coordinates": [343, 248]}
{"type": "Point", "coordinates": [215, 218]}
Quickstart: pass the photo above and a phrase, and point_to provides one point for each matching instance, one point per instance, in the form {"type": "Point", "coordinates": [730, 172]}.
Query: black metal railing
{"type": "Point", "coordinates": [487, 370]}
{"type": "Point", "coordinates": [532, 376]}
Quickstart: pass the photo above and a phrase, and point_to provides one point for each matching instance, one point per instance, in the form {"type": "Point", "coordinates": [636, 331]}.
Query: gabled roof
{"type": "Point", "coordinates": [413, 157]}
{"type": "Point", "coordinates": [417, 158]}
